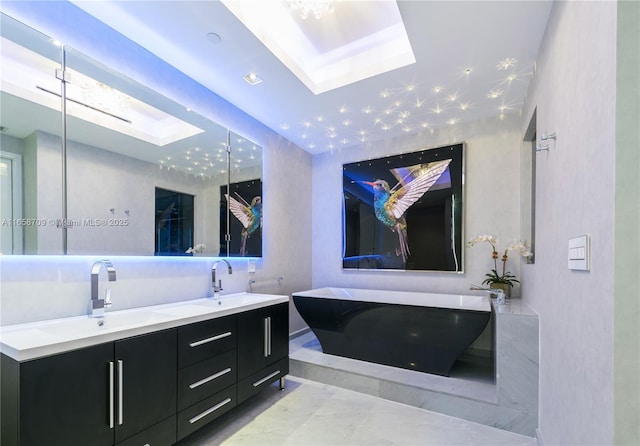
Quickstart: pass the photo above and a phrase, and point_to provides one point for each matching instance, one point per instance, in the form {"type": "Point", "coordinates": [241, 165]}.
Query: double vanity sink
{"type": "Point", "coordinates": [37, 339]}
{"type": "Point", "coordinates": [150, 375]}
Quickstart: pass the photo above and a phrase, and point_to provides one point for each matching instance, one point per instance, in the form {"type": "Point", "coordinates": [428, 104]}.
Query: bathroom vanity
{"type": "Point", "coordinates": [145, 376]}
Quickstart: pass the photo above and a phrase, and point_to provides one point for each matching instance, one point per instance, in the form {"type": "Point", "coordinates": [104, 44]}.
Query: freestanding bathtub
{"type": "Point", "coordinates": [417, 331]}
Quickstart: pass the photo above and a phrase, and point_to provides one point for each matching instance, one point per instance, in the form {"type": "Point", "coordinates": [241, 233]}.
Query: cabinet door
{"type": "Point", "coordinates": [146, 374]}
{"type": "Point", "coordinates": [279, 332]}
{"type": "Point", "coordinates": [64, 399]}
{"type": "Point", "coordinates": [263, 338]}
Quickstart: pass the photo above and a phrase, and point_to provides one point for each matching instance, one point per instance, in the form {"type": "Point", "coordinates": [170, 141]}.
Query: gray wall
{"type": "Point", "coordinates": [574, 93]}
{"type": "Point", "coordinates": [491, 195]}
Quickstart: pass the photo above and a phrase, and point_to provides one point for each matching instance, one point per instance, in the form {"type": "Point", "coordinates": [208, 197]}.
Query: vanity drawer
{"type": "Point", "coordinates": [205, 378]}
{"type": "Point", "coordinates": [161, 434]}
{"type": "Point", "coordinates": [259, 380]}
{"type": "Point", "coordinates": [204, 340]}
{"type": "Point", "coordinates": [198, 415]}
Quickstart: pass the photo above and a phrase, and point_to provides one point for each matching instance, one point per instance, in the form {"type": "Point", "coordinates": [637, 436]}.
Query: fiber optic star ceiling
{"type": "Point", "coordinates": [473, 60]}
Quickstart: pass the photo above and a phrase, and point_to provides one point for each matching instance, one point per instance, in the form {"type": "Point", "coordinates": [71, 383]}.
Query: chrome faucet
{"type": "Point", "coordinates": [218, 287]}
{"type": "Point", "coordinates": [98, 305]}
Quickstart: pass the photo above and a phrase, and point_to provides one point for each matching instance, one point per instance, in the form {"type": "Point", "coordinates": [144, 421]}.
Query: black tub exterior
{"type": "Point", "coordinates": [421, 338]}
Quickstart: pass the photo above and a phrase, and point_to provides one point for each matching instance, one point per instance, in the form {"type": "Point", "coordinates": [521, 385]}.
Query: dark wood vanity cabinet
{"type": "Point", "coordinates": [147, 366]}
{"type": "Point", "coordinates": [263, 348]}
{"type": "Point", "coordinates": [151, 389]}
{"type": "Point", "coordinates": [100, 395]}
{"type": "Point", "coordinates": [207, 375]}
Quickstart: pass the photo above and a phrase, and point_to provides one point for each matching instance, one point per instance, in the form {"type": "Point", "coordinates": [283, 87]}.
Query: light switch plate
{"type": "Point", "coordinates": [251, 266]}
{"type": "Point", "coordinates": [579, 253]}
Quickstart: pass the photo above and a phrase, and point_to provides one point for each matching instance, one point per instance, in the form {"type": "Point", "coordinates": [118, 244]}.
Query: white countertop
{"type": "Point", "coordinates": [33, 340]}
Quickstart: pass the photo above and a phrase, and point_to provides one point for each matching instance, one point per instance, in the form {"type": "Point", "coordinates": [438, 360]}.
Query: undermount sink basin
{"type": "Point", "coordinates": [184, 310]}
{"type": "Point", "coordinates": [87, 326]}
{"type": "Point", "coordinates": [234, 300]}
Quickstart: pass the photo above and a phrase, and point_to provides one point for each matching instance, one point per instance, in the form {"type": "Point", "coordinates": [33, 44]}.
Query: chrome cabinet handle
{"type": "Point", "coordinates": [267, 336]}
{"type": "Point", "coordinates": [266, 378]}
{"type": "Point", "coordinates": [209, 411]}
{"type": "Point", "coordinates": [269, 319]}
{"type": "Point", "coordinates": [111, 409]}
{"type": "Point", "coordinates": [211, 339]}
{"type": "Point", "coordinates": [120, 391]}
{"type": "Point", "coordinates": [209, 378]}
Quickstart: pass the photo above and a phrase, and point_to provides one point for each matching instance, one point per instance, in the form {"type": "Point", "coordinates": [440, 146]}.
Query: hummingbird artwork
{"type": "Point", "coordinates": [391, 204]}
{"type": "Point", "coordinates": [250, 215]}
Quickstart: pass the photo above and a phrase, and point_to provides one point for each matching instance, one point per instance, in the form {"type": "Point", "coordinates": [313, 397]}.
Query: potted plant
{"type": "Point", "coordinates": [500, 279]}
{"type": "Point", "coordinates": [197, 249]}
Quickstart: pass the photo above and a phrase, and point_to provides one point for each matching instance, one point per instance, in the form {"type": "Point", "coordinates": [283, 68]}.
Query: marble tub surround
{"type": "Point", "coordinates": [308, 413]}
{"type": "Point", "coordinates": [517, 347]}
{"type": "Point", "coordinates": [502, 395]}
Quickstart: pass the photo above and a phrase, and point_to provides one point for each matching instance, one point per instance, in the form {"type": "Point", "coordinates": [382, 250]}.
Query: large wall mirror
{"type": "Point", "coordinates": [143, 173]}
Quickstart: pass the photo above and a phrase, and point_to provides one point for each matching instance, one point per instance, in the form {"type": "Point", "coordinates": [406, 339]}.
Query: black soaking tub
{"type": "Point", "coordinates": [417, 331]}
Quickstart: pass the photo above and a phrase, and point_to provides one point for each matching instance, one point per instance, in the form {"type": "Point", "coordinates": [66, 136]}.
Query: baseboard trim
{"type": "Point", "coordinates": [295, 334]}
{"type": "Point", "coordinates": [539, 439]}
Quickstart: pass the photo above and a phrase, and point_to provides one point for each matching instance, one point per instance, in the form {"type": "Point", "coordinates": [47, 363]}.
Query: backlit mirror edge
{"type": "Point", "coordinates": [137, 254]}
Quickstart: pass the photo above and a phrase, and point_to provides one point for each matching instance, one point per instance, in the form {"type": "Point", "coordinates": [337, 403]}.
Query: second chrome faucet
{"type": "Point", "coordinates": [217, 287]}
{"type": "Point", "coordinates": [99, 305]}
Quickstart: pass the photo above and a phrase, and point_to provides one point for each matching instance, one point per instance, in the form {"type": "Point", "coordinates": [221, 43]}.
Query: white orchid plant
{"type": "Point", "coordinates": [197, 249]}
{"type": "Point", "coordinates": [505, 277]}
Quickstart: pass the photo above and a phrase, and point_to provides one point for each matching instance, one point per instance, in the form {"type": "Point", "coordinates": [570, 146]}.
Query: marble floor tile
{"type": "Point", "coordinates": [308, 413]}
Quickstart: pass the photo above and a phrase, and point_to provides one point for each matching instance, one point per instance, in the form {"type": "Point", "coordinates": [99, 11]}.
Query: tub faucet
{"type": "Point", "coordinates": [218, 287]}
{"type": "Point", "coordinates": [98, 305]}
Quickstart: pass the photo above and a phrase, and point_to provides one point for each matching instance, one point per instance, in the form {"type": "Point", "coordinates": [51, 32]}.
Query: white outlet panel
{"type": "Point", "coordinates": [251, 266]}
{"type": "Point", "coordinates": [579, 253]}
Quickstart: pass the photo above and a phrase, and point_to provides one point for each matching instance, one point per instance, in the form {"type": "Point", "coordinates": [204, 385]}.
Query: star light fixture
{"type": "Point", "coordinates": [507, 63]}
{"type": "Point", "coordinates": [409, 106]}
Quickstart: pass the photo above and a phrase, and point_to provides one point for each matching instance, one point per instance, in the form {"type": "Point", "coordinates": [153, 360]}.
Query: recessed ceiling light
{"type": "Point", "coordinates": [252, 79]}
{"type": "Point", "coordinates": [214, 38]}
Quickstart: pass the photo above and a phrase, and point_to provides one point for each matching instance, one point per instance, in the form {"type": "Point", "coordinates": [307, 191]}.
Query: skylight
{"type": "Point", "coordinates": [356, 41]}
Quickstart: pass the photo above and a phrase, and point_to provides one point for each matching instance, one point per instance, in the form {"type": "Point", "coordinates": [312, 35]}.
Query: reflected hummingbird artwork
{"type": "Point", "coordinates": [391, 204]}
{"type": "Point", "coordinates": [250, 215]}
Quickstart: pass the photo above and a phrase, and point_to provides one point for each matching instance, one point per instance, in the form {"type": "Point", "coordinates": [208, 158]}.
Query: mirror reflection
{"type": "Point", "coordinates": [130, 151]}
{"type": "Point", "coordinates": [28, 116]}
{"type": "Point", "coordinates": [241, 210]}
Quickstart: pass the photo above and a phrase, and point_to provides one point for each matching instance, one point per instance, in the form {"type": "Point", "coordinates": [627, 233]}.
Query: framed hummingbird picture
{"type": "Point", "coordinates": [405, 212]}
{"type": "Point", "coordinates": [244, 202]}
